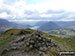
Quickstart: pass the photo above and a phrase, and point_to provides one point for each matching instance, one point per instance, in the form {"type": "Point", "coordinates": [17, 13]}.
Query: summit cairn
{"type": "Point", "coordinates": [38, 41]}
{"type": "Point", "coordinates": [35, 41]}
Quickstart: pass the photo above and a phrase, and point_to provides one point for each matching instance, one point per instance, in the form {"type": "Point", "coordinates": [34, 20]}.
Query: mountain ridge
{"type": "Point", "coordinates": [5, 25]}
{"type": "Point", "coordinates": [49, 26]}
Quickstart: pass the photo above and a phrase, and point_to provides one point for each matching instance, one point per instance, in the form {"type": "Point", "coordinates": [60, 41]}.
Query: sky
{"type": "Point", "coordinates": [37, 10]}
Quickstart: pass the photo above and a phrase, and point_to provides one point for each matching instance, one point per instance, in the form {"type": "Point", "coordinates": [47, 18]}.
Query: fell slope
{"type": "Point", "coordinates": [63, 44]}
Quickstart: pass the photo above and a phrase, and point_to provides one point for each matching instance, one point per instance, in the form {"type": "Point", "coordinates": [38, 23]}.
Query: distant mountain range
{"type": "Point", "coordinates": [66, 24]}
{"type": "Point", "coordinates": [42, 25]}
{"type": "Point", "coordinates": [5, 24]}
{"type": "Point", "coordinates": [53, 25]}
{"type": "Point", "coordinates": [48, 26]}
{"type": "Point", "coordinates": [59, 28]}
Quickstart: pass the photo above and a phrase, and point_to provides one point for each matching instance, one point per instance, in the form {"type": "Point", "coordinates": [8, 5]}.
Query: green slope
{"type": "Point", "coordinates": [64, 44]}
{"type": "Point", "coordinates": [67, 33]}
{"type": "Point", "coordinates": [7, 37]}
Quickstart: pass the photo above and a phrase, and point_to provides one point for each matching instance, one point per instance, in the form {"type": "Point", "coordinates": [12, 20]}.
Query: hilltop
{"type": "Point", "coordinates": [20, 42]}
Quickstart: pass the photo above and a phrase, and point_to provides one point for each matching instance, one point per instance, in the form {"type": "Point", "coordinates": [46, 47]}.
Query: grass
{"type": "Point", "coordinates": [64, 44]}
{"type": "Point", "coordinates": [6, 38]}
{"type": "Point", "coordinates": [62, 32]}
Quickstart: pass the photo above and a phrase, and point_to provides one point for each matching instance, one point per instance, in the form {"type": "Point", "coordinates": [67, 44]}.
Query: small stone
{"type": "Point", "coordinates": [31, 41]}
{"type": "Point", "coordinates": [27, 43]}
{"type": "Point", "coordinates": [45, 48]}
{"type": "Point", "coordinates": [39, 38]}
{"type": "Point", "coordinates": [41, 48]}
{"type": "Point", "coordinates": [28, 39]}
{"type": "Point", "coordinates": [44, 39]}
{"type": "Point", "coordinates": [49, 46]}
{"type": "Point", "coordinates": [14, 44]}
{"type": "Point", "coordinates": [36, 36]}
{"type": "Point", "coordinates": [43, 43]}
{"type": "Point", "coordinates": [31, 46]}
{"type": "Point", "coordinates": [14, 47]}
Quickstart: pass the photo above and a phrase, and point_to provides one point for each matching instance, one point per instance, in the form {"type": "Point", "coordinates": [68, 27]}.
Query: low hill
{"type": "Point", "coordinates": [40, 23]}
{"type": "Point", "coordinates": [66, 24]}
{"type": "Point", "coordinates": [49, 26]}
{"type": "Point", "coordinates": [17, 42]}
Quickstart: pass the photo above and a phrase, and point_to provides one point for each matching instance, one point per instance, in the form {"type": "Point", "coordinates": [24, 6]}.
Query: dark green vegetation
{"type": "Point", "coordinates": [67, 33]}
{"type": "Point", "coordinates": [64, 44]}
{"type": "Point", "coordinates": [59, 28]}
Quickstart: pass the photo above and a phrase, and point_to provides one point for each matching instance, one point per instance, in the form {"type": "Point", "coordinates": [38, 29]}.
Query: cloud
{"type": "Point", "coordinates": [37, 10]}
{"type": "Point", "coordinates": [46, 15]}
{"type": "Point", "coordinates": [55, 5]}
{"type": "Point", "coordinates": [26, 20]}
{"type": "Point", "coordinates": [66, 20]}
{"type": "Point", "coordinates": [4, 15]}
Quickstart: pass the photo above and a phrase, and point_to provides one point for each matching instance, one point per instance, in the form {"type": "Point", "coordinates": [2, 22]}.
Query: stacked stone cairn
{"type": "Point", "coordinates": [38, 41]}
{"type": "Point", "coordinates": [34, 41]}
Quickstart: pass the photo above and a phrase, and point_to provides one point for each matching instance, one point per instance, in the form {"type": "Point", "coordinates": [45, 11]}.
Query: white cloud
{"type": "Point", "coordinates": [68, 5]}
{"type": "Point", "coordinates": [26, 20]}
{"type": "Point", "coordinates": [1, 1]}
{"type": "Point", "coordinates": [4, 15]}
{"type": "Point", "coordinates": [46, 15]}
{"type": "Point", "coordinates": [66, 20]}
{"type": "Point", "coordinates": [17, 9]}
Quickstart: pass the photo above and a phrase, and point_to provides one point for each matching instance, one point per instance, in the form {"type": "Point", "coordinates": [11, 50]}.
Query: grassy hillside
{"type": "Point", "coordinates": [7, 37]}
{"type": "Point", "coordinates": [64, 44]}
{"type": "Point", "coordinates": [67, 33]}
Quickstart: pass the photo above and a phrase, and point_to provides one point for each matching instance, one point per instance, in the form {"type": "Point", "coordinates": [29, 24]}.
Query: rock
{"type": "Point", "coordinates": [39, 38]}
{"type": "Point", "coordinates": [35, 41]}
{"type": "Point", "coordinates": [45, 48]}
{"type": "Point", "coordinates": [27, 44]}
{"type": "Point", "coordinates": [41, 49]}
{"type": "Point", "coordinates": [14, 48]}
{"type": "Point", "coordinates": [44, 39]}
{"type": "Point", "coordinates": [31, 46]}
{"type": "Point", "coordinates": [19, 39]}
{"type": "Point", "coordinates": [43, 43]}
{"type": "Point", "coordinates": [49, 47]}
{"type": "Point", "coordinates": [31, 41]}
{"type": "Point", "coordinates": [23, 32]}
{"type": "Point", "coordinates": [39, 42]}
